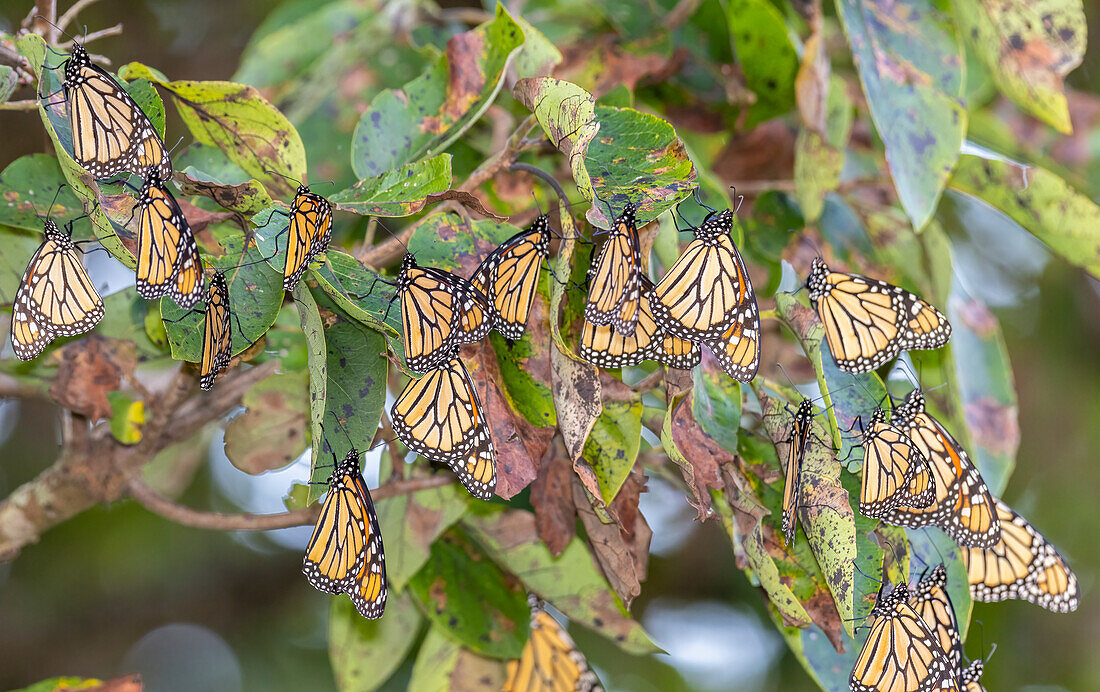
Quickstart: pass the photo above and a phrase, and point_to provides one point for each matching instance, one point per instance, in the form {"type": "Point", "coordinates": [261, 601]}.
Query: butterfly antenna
{"type": "Point", "coordinates": [699, 200]}
{"type": "Point", "coordinates": [740, 199]}
{"type": "Point", "coordinates": [282, 175]}
{"type": "Point", "coordinates": [60, 30]}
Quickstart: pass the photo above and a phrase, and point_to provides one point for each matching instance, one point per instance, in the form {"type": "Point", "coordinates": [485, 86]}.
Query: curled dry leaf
{"type": "Point", "coordinates": [621, 549]}
{"type": "Point", "coordinates": [703, 454]}
{"type": "Point", "coordinates": [464, 198]}
{"type": "Point", "coordinates": [89, 369]}
{"type": "Point", "coordinates": [552, 498]}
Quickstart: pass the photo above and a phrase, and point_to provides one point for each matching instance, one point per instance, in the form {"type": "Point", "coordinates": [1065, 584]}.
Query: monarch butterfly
{"type": "Point", "coordinates": [111, 134]}
{"type": "Point", "coordinates": [1023, 564]}
{"type": "Point", "coordinates": [550, 661]}
{"type": "Point", "coordinates": [708, 287]}
{"type": "Point", "coordinates": [310, 231]}
{"type": "Point", "coordinates": [738, 349]}
{"type": "Point", "coordinates": [441, 417]}
{"type": "Point", "coordinates": [797, 442]}
{"type": "Point", "coordinates": [970, 676]}
{"type": "Point", "coordinates": [616, 284]}
{"type": "Point", "coordinates": [934, 606]}
{"type": "Point", "coordinates": [168, 258]}
{"type": "Point", "coordinates": [56, 297]}
{"type": "Point", "coordinates": [963, 506]}
{"type": "Point", "coordinates": [217, 337]}
{"type": "Point", "coordinates": [439, 312]}
{"type": "Point", "coordinates": [345, 553]}
{"type": "Point", "coordinates": [509, 276]}
{"type": "Point", "coordinates": [607, 348]}
{"type": "Point", "coordinates": [868, 322]}
{"type": "Point", "coordinates": [894, 471]}
{"type": "Point", "coordinates": [901, 653]}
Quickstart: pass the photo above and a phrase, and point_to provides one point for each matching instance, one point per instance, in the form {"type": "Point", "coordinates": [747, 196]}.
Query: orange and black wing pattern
{"type": "Point", "coordinates": [440, 416]}
{"type": "Point", "coordinates": [550, 661]}
{"type": "Point", "coordinates": [217, 339]}
{"type": "Point", "coordinates": [439, 312]}
{"type": "Point", "coordinates": [797, 441]}
{"type": "Point", "coordinates": [934, 606]}
{"type": "Point", "coordinates": [894, 472]}
{"type": "Point", "coordinates": [1023, 565]}
{"type": "Point", "coordinates": [55, 298]}
{"type": "Point", "coordinates": [615, 287]}
{"type": "Point", "coordinates": [168, 262]}
{"type": "Point", "coordinates": [309, 233]}
{"type": "Point", "coordinates": [869, 322]}
{"type": "Point", "coordinates": [901, 654]}
{"type": "Point", "coordinates": [345, 553]}
{"type": "Point", "coordinates": [509, 276]}
{"type": "Point", "coordinates": [963, 507]}
{"type": "Point", "coordinates": [111, 134]}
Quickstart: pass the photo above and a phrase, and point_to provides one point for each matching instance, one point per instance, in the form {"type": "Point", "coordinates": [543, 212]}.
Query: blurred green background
{"type": "Point", "coordinates": [118, 589]}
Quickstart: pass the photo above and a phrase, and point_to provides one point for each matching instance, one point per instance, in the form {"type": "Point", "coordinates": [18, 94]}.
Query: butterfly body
{"type": "Point", "coordinates": [345, 552]}
{"type": "Point", "coordinates": [616, 284]}
{"type": "Point", "coordinates": [509, 276]}
{"type": "Point", "coordinates": [111, 134]}
{"type": "Point", "coordinates": [797, 442]}
{"type": "Point", "coordinates": [217, 337]}
{"type": "Point", "coordinates": [310, 231]}
{"type": "Point", "coordinates": [439, 312]}
{"type": "Point", "coordinates": [869, 322]}
{"type": "Point", "coordinates": [963, 506]}
{"type": "Point", "coordinates": [56, 296]}
{"type": "Point", "coordinates": [934, 606]}
{"type": "Point", "coordinates": [168, 257]}
{"type": "Point", "coordinates": [970, 677]}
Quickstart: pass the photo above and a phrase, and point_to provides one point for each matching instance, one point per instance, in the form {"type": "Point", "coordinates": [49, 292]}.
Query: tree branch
{"type": "Point", "coordinates": [70, 14]}
{"type": "Point", "coordinates": [102, 33]}
{"type": "Point", "coordinates": [186, 516]}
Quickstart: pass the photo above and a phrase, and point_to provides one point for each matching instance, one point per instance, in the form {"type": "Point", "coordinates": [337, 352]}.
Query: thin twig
{"type": "Point", "coordinates": [543, 176]}
{"type": "Point", "coordinates": [70, 14]}
{"type": "Point", "coordinates": [680, 14]}
{"type": "Point", "coordinates": [25, 105]}
{"type": "Point", "coordinates": [45, 19]}
{"type": "Point", "coordinates": [650, 381]}
{"type": "Point", "coordinates": [102, 33]}
{"type": "Point", "coordinates": [12, 58]}
{"type": "Point", "coordinates": [11, 388]}
{"type": "Point", "coordinates": [504, 158]}
{"type": "Point", "coordinates": [186, 516]}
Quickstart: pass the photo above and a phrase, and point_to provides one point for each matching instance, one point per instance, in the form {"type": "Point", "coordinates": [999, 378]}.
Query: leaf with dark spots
{"type": "Point", "coordinates": [1028, 46]}
{"type": "Point", "coordinates": [613, 444]}
{"type": "Point", "coordinates": [90, 369]}
{"type": "Point", "coordinates": [465, 199]}
{"type": "Point", "coordinates": [245, 198]}
{"type": "Point", "coordinates": [429, 113]}
{"type": "Point", "coordinates": [567, 114]}
{"type": "Point", "coordinates": [468, 596]}
{"type": "Point", "coordinates": [910, 64]}
{"type": "Point", "coordinates": [767, 57]}
{"type": "Point", "coordinates": [519, 444]}
{"type": "Point", "coordinates": [27, 186]}
{"type": "Point", "coordinates": [571, 582]}
{"type": "Point", "coordinates": [413, 522]}
{"type": "Point", "coordinates": [365, 653]}
{"type": "Point", "coordinates": [271, 432]}
{"type": "Point", "coordinates": [552, 499]}
{"type": "Point", "coordinates": [255, 295]}
{"type": "Point", "coordinates": [444, 664]}
{"type": "Point", "coordinates": [399, 192]}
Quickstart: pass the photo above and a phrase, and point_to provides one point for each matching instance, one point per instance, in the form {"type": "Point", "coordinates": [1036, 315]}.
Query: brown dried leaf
{"type": "Point", "coordinates": [89, 369]}
{"type": "Point", "coordinates": [811, 85]}
{"type": "Point", "coordinates": [552, 498]}
{"type": "Point", "coordinates": [617, 557]}
{"type": "Point", "coordinates": [124, 683]}
{"type": "Point", "coordinates": [577, 398]}
{"type": "Point", "coordinates": [702, 453]}
{"type": "Point", "coordinates": [465, 199]}
{"type": "Point", "coordinates": [271, 432]}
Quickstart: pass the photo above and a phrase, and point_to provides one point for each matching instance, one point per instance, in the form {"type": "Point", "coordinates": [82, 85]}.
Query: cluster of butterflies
{"type": "Point", "coordinates": [915, 474]}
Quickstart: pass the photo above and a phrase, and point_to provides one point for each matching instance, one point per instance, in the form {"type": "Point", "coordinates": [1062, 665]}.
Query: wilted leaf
{"type": "Point", "coordinates": [91, 368]}
{"type": "Point", "coordinates": [910, 64]}
{"type": "Point", "coordinates": [570, 581]}
{"type": "Point", "coordinates": [552, 498]}
{"type": "Point", "coordinates": [271, 432]}
{"type": "Point", "coordinates": [246, 198]}
{"type": "Point", "coordinates": [412, 523]}
{"type": "Point", "coordinates": [398, 192]}
{"type": "Point", "coordinates": [443, 664]}
{"type": "Point", "coordinates": [696, 453]}
{"type": "Point", "coordinates": [365, 653]}
{"type": "Point", "coordinates": [567, 114]}
{"type": "Point", "coordinates": [1053, 211]}
{"type": "Point", "coordinates": [1028, 46]}
{"type": "Point", "coordinates": [467, 596]}
{"type": "Point", "coordinates": [621, 546]}
{"type": "Point", "coordinates": [433, 110]}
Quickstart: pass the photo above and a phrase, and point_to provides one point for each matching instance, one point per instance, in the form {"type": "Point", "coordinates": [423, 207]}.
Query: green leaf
{"type": "Point", "coordinates": [567, 114]}
{"type": "Point", "coordinates": [819, 159]}
{"type": "Point", "coordinates": [255, 297]}
{"type": "Point", "coordinates": [413, 522]}
{"type": "Point", "coordinates": [317, 364]}
{"type": "Point", "coordinates": [443, 664]}
{"type": "Point", "coordinates": [766, 55]}
{"type": "Point", "coordinates": [987, 390]}
{"type": "Point", "coordinates": [365, 653]}
{"type": "Point", "coordinates": [399, 192]}
{"type": "Point", "coordinates": [18, 248]}
{"type": "Point", "coordinates": [571, 581]}
{"type": "Point", "coordinates": [127, 418]}
{"type": "Point", "coordinates": [1028, 46]}
{"type": "Point", "coordinates": [433, 110]}
{"type": "Point", "coordinates": [145, 95]}
{"type": "Point", "coordinates": [9, 81]}
{"type": "Point", "coordinates": [538, 56]}
{"type": "Point", "coordinates": [359, 292]}
{"type": "Point", "coordinates": [355, 387]}
{"type": "Point", "coordinates": [1046, 205]}
{"type": "Point", "coordinates": [910, 64]}
{"type": "Point", "coordinates": [271, 432]}
{"type": "Point", "coordinates": [637, 158]}
{"type": "Point", "coordinates": [59, 130]}
{"type": "Point", "coordinates": [716, 405]}
{"type": "Point", "coordinates": [471, 600]}
{"type": "Point", "coordinates": [613, 444]}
